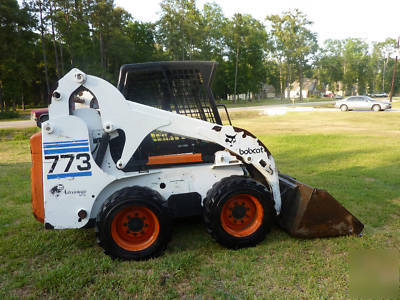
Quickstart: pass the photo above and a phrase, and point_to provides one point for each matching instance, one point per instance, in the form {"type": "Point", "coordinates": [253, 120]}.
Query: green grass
{"type": "Point", "coordinates": [23, 133]}
{"type": "Point", "coordinates": [353, 155]}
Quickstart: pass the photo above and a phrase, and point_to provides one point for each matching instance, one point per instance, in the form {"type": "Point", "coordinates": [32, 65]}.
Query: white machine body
{"type": "Point", "coordinates": [75, 187]}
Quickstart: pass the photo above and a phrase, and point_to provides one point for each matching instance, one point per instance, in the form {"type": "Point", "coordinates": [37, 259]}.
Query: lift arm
{"type": "Point", "coordinates": [137, 121]}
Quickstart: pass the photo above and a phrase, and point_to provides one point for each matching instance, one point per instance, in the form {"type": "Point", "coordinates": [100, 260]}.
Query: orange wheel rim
{"type": "Point", "coordinates": [242, 215]}
{"type": "Point", "coordinates": [135, 228]}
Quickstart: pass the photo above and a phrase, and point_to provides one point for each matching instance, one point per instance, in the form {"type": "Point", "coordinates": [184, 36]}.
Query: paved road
{"type": "Point", "coordinates": [263, 107]}
{"type": "Point", "coordinates": [305, 106]}
{"type": "Point", "coordinates": [18, 124]}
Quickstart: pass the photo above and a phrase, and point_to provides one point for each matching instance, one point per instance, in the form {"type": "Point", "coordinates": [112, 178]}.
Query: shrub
{"type": "Point", "coordinates": [8, 115]}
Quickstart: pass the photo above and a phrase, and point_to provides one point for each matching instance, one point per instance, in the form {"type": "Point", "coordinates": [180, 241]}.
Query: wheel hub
{"type": "Point", "coordinates": [135, 228]}
{"type": "Point", "coordinates": [239, 211]}
{"type": "Point", "coordinates": [241, 215]}
{"type": "Point", "coordinates": [135, 224]}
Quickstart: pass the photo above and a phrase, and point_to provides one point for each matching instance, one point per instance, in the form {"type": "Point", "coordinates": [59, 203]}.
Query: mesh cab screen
{"type": "Point", "coordinates": [180, 90]}
{"type": "Point", "coordinates": [178, 87]}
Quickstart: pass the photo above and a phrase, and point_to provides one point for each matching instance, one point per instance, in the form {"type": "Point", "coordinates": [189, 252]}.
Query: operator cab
{"type": "Point", "coordinates": [179, 87]}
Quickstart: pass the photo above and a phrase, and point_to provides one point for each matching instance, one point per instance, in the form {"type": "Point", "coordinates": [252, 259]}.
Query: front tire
{"type": "Point", "coordinates": [376, 107]}
{"type": "Point", "coordinates": [344, 107]}
{"type": "Point", "coordinates": [133, 224]}
{"type": "Point", "coordinates": [238, 212]}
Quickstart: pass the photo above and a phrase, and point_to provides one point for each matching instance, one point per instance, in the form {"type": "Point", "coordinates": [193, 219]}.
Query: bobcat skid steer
{"type": "Point", "coordinates": [132, 158]}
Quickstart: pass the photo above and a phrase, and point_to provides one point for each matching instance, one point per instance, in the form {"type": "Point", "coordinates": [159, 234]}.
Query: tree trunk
{"type": "Point", "coordinates": [394, 74]}
{"type": "Point", "coordinates": [44, 50]}
{"type": "Point", "coordinates": [301, 82]}
{"type": "Point", "coordinates": [191, 48]}
{"type": "Point", "coordinates": [58, 72]}
{"type": "Point", "coordinates": [101, 53]}
{"type": "Point", "coordinates": [281, 82]}
{"type": "Point", "coordinates": [383, 75]}
{"type": "Point", "coordinates": [62, 60]}
{"type": "Point", "coordinates": [288, 80]}
{"type": "Point", "coordinates": [22, 101]}
{"type": "Point", "coordinates": [183, 37]}
{"type": "Point", "coordinates": [44, 101]}
{"type": "Point", "coordinates": [68, 35]}
{"type": "Point", "coordinates": [236, 72]}
{"type": "Point", "coordinates": [1, 98]}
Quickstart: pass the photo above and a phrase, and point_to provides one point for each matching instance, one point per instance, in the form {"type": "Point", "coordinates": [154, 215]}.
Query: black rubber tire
{"type": "Point", "coordinates": [140, 196]}
{"type": "Point", "coordinates": [376, 109]}
{"type": "Point", "coordinates": [224, 190]}
{"type": "Point", "coordinates": [344, 107]}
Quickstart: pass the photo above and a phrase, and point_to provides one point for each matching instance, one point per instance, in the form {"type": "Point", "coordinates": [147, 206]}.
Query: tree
{"type": "Point", "coordinates": [16, 44]}
{"type": "Point", "coordinates": [42, 27]}
{"type": "Point", "coordinates": [379, 62]}
{"type": "Point", "coordinates": [329, 64]}
{"type": "Point", "coordinates": [355, 65]}
{"type": "Point", "coordinates": [144, 47]}
{"type": "Point", "coordinates": [278, 49]}
{"type": "Point", "coordinates": [213, 29]}
{"type": "Point", "coordinates": [246, 42]}
{"type": "Point", "coordinates": [179, 28]}
{"type": "Point", "coordinates": [293, 38]}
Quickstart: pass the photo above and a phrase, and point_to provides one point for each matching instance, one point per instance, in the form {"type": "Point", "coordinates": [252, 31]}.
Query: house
{"type": "Point", "coordinates": [309, 88]}
{"type": "Point", "coordinates": [341, 90]}
{"type": "Point", "coordinates": [267, 91]}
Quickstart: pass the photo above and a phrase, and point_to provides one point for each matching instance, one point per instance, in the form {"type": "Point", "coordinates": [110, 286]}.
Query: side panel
{"type": "Point", "coordinates": [172, 181]}
{"type": "Point", "coordinates": [36, 177]}
{"type": "Point", "coordinates": [72, 179]}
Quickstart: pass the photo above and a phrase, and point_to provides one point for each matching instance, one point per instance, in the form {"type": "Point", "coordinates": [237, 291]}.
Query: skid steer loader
{"type": "Point", "coordinates": [132, 158]}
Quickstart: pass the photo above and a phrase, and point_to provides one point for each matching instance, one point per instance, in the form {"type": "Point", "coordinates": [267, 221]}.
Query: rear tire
{"type": "Point", "coordinates": [376, 107]}
{"type": "Point", "coordinates": [238, 212]}
{"type": "Point", "coordinates": [344, 107]}
{"type": "Point", "coordinates": [134, 224]}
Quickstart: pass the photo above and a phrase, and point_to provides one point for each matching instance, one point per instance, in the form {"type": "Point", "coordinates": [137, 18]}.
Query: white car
{"type": "Point", "coordinates": [362, 102]}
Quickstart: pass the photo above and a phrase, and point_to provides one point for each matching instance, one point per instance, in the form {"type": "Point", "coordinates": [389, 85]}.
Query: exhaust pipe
{"type": "Point", "coordinates": [308, 212]}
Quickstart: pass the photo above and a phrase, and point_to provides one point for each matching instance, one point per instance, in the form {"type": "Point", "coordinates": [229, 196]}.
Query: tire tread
{"type": "Point", "coordinates": [211, 204]}
{"type": "Point", "coordinates": [122, 196]}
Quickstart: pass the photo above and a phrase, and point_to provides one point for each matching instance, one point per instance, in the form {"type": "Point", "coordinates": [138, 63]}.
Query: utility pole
{"type": "Point", "coordinates": [394, 69]}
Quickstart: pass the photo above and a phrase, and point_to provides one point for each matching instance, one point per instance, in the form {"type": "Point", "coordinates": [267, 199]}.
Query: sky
{"type": "Point", "coordinates": [337, 19]}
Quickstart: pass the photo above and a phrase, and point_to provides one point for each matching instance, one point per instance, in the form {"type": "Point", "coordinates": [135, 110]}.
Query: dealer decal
{"type": "Point", "coordinates": [59, 190]}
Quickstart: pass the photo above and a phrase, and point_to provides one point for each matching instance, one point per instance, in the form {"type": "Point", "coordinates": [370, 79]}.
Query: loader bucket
{"type": "Point", "coordinates": [308, 212]}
